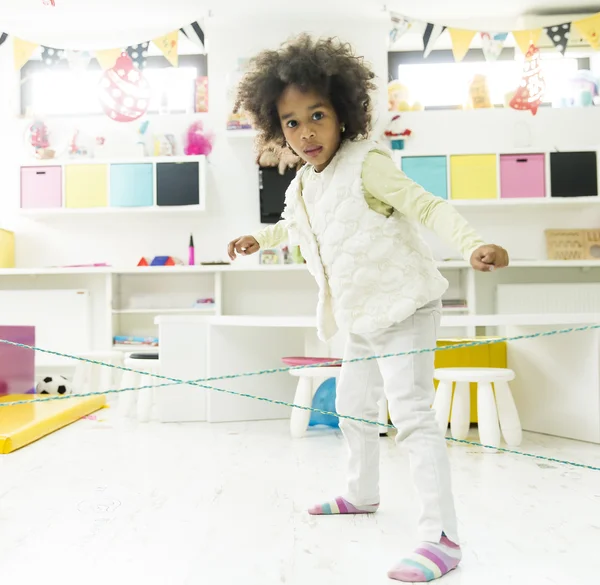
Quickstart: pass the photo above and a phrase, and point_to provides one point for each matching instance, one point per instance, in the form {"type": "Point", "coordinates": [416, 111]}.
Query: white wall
{"type": "Point", "coordinates": [233, 206]}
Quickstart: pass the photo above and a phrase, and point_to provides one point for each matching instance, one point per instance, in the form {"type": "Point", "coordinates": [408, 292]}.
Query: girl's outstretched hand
{"type": "Point", "coordinates": [489, 257]}
{"type": "Point", "coordinates": [244, 246]}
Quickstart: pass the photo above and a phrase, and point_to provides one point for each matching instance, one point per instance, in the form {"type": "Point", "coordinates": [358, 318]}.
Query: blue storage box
{"type": "Point", "coordinates": [131, 185]}
{"type": "Point", "coordinates": [429, 171]}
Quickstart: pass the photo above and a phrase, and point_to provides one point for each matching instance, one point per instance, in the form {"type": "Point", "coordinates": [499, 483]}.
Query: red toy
{"type": "Point", "coordinates": [530, 92]}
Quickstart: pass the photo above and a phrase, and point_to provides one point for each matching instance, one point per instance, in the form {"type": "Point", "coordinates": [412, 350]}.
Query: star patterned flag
{"type": "Point", "coordinates": [195, 33]}
{"type": "Point", "coordinates": [430, 36]}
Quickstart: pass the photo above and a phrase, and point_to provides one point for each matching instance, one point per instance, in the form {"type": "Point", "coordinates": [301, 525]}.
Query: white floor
{"type": "Point", "coordinates": [114, 503]}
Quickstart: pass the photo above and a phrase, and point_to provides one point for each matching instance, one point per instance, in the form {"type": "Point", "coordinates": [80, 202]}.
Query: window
{"type": "Point", "coordinates": [62, 92]}
{"type": "Point", "coordinates": [445, 84]}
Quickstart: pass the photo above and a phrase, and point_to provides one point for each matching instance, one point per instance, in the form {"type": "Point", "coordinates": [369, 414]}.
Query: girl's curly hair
{"type": "Point", "coordinates": [326, 66]}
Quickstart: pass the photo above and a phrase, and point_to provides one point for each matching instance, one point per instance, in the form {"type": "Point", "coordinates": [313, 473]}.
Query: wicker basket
{"type": "Point", "coordinates": [573, 244]}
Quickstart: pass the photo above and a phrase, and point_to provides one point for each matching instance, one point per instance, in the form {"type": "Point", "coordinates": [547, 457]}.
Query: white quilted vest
{"type": "Point", "coordinates": [372, 271]}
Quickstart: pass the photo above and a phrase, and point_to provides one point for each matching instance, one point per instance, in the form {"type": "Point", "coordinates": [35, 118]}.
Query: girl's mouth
{"type": "Point", "coordinates": [313, 151]}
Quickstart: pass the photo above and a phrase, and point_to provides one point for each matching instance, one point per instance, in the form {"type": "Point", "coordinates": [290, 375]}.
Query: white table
{"type": "Point", "coordinates": [557, 385]}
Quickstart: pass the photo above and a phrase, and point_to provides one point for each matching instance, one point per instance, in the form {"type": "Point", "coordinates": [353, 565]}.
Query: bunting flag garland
{"type": "Point", "coordinates": [526, 38]}
{"type": "Point", "coordinates": [400, 25]}
{"type": "Point", "coordinates": [107, 57]}
{"type": "Point", "coordinates": [492, 44]}
{"type": "Point", "coordinates": [195, 34]}
{"type": "Point", "coordinates": [589, 28]}
{"type": "Point", "coordinates": [78, 60]}
{"type": "Point", "coordinates": [559, 35]}
{"type": "Point", "coordinates": [461, 41]}
{"type": "Point", "coordinates": [22, 51]}
{"type": "Point", "coordinates": [430, 36]}
{"type": "Point", "coordinates": [51, 56]}
{"type": "Point", "coordinates": [168, 45]}
{"type": "Point", "coordinates": [3, 37]}
{"type": "Point", "coordinates": [530, 92]}
{"type": "Point", "coordinates": [139, 55]}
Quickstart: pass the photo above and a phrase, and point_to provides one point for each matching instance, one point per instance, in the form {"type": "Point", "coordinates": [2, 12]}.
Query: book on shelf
{"type": "Point", "coordinates": [135, 340]}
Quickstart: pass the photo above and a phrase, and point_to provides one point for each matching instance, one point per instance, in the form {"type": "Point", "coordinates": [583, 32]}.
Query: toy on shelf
{"type": "Point", "coordinates": [270, 257]}
{"type": "Point", "coordinates": [581, 90]}
{"type": "Point", "coordinates": [198, 142]}
{"type": "Point", "coordinates": [160, 261]}
{"type": "Point", "coordinates": [77, 149]}
{"type": "Point", "coordinates": [201, 104]}
{"type": "Point", "coordinates": [54, 385]}
{"type": "Point", "coordinates": [39, 138]}
{"type": "Point", "coordinates": [399, 98]}
{"type": "Point", "coordinates": [479, 93]}
{"type": "Point", "coordinates": [292, 255]}
{"type": "Point", "coordinates": [529, 94]}
{"type": "Point", "coordinates": [274, 155]}
{"type": "Point", "coordinates": [396, 134]}
{"type": "Point", "coordinates": [164, 145]}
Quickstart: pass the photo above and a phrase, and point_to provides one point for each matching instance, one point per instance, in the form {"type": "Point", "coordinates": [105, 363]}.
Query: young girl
{"type": "Point", "coordinates": [353, 212]}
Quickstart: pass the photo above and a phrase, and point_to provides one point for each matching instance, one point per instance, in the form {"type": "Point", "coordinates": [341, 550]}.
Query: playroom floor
{"type": "Point", "coordinates": [109, 501]}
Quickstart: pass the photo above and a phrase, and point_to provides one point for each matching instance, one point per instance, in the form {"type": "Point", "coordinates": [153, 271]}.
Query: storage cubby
{"type": "Point", "coordinates": [473, 176]}
{"type": "Point", "coordinates": [41, 187]}
{"type": "Point", "coordinates": [522, 176]}
{"type": "Point", "coordinates": [131, 185]}
{"type": "Point", "coordinates": [86, 186]}
{"type": "Point", "coordinates": [573, 174]}
{"type": "Point", "coordinates": [177, 183]}
{"type": "Point", "coordinates": [429, 171]}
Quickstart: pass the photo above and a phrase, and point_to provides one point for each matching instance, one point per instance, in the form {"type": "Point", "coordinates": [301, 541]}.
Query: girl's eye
{"type": "Point", "coordinates": [292, 124]}
{"type": "Point", "coordinates": [318, 116]}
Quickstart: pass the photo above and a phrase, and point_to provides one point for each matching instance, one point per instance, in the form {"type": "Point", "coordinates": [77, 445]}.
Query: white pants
{"type": "Point", "coordinates": [408, 386]}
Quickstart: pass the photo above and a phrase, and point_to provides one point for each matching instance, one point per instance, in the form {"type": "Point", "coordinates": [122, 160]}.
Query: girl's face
{"type": "Point", "coordinates": [310, 125]}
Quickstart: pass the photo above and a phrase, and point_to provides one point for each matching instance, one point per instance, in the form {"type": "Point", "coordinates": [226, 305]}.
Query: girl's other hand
{"type": "Point", "coordinates": [244, 246]}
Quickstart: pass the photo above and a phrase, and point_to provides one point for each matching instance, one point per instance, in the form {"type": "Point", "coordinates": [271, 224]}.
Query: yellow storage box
{"type": "Point", "coordinates": [493, 355]}
{"type": "Point", "coordinates": [86, 186]}
{"type": "Point", "coordinates": [474, 176]}
{"type": "Point", "coordinates": [7, 249]}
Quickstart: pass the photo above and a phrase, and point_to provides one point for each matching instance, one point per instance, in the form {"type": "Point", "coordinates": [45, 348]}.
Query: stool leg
{"type": "Point", "coordinates": [300, 418]}
{"type": "Point", "coordinates": [127, 400]}
{"type": "Point", "coordinates": [145, 399]}
{"type": "Point", "coordinates": [383, 417]}
{"type": "Point", "coordinates": [461, 411]}
{"type": "Point", "coordinates": [487, 415]}
{"type": "Point", "coordinates": [441, 404]}
{"type": "Point", "coordinates": [508, 414]}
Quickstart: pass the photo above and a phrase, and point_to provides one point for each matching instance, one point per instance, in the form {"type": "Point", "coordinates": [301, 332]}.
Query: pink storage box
{"type": "Point", "coordinates": [17, 364]}
{"type": "Point", "coordinates": [522, 176]}
{"type": "Point", "coordinates": [41, 187]}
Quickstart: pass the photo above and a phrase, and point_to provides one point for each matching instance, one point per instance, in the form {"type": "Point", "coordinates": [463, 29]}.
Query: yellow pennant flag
{"type": "Point", "coordinates": [589, 28]}
{"type": "Point", "coordinates": [461, 41]}
{"type": "Point", "coordinates": [526, 38]}
{"type": "Point", "coordinates": [108, 57]}
{"type": "Point", "coordinates": [168, 44]}
{"type": "Point", "coordinates": [22, 51]}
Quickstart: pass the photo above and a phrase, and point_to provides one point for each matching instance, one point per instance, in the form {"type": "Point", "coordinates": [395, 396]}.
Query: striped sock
{"type": "Point", "coordinates": [428, 562]}
{"type": "Point", "coordinates": [341, 506]}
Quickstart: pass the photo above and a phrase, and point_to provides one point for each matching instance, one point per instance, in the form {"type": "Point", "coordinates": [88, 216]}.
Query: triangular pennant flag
{"type": "Point", "coordinates": [526, 38]}
{"type": "Point", "coordinates": [195, 33]}
{"type": "Point", "coordinates": [139, 55]}
{"type": "Point", "coordinates": [400, 25]}
{"type": "Point", "coordinates": [492, 44]}
{"type": "Point", "coordinates": [168, 45]}
{"type": "Point", "coordinates": [3, 37]}
{"type": "Point", "coordinates": [22, 51]}
{"type": "Point", "coordinates": [589, 29]}
{"type": "Point", "coordinates": [461, 41]}
{"type": "Point", "coordinates": [108, 57]}
{"type": "Point", "coordinates": [559, 35]}
{"type": "Point", "coordinates": [430, 36]}
{"type": "Point", "coordinates": [51, 56]}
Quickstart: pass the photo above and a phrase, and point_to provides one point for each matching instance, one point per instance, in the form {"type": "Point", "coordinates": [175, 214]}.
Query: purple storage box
{"type": "Point", "coordinates": [17, 364]}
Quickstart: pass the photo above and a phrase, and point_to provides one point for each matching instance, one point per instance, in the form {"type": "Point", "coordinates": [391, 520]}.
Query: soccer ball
{"type": "Point", "coordinates": [54, 385]}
